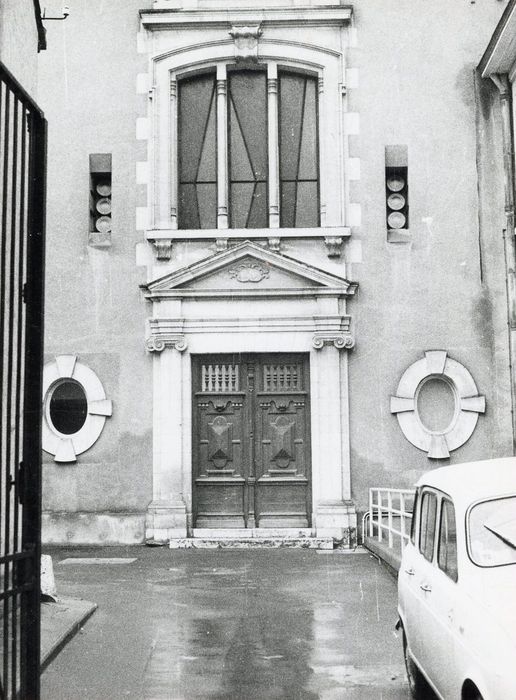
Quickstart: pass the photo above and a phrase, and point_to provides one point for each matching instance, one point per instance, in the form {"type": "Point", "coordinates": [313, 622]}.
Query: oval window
{"type": "Point", "coordinates": [68, 407]}
{"type": "Point", "coordinates": [436, 404]}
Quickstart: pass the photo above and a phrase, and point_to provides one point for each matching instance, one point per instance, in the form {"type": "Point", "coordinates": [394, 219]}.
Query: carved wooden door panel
{"type": "Point", "coordinates": [282, 443]}
{"type": "Point", "coordinates": [220, 455]}
{"type": "Point", "coordinates": [251, 448]}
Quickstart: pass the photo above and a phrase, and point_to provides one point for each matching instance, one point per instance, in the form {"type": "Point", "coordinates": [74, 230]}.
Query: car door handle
{"type": "Point", "coordinates": [410, 572]}
{"type": "Point", "coordinates": [425, 587]}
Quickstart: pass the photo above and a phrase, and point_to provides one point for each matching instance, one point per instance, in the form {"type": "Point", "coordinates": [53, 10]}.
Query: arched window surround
{"type": "Point", "coordinates": [170, 67]}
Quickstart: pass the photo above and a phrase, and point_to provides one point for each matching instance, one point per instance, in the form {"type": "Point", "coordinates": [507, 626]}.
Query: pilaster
{"type": "Point", "coordinates": [166, 514]}
{"type": "Point", "coordinates": [334, 511]}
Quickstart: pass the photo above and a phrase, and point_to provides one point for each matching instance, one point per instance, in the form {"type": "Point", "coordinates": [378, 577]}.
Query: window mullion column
{"type": "Point", "coordinates": [222, 148]}
{"type": "Point", "coordinates": [173, 153]}
{"type": "Point", "coordinates": [273, 127]}
{"type": "Point", "coordinates": [322, 152]}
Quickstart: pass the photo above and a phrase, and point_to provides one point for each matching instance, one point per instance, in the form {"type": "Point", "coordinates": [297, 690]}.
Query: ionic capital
{"type": "Point", "coordinates": [158, 342]}
{"type": "Point", "coordinates": [342, 341]}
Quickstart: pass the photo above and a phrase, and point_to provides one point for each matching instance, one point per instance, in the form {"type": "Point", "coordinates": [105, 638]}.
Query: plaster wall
{"type": "Point", "coordinates": [444, 289]}
{"type": "Point", "coordinates": [410, 81]}
{"type": "Point", "coordinates": [19, 42]}
{"type": "Point", "coordinates": [93, 304]}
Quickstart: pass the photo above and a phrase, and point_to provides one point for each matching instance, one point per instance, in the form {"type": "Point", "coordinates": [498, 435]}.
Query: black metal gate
{"type": "Point", "coordinates": [22, 208]}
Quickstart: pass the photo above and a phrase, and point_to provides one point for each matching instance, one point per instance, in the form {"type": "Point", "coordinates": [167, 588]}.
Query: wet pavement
{"type": "Point", "coordinates": [228, 624]}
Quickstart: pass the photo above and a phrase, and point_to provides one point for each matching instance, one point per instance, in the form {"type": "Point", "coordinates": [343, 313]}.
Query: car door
{"type": "Point", "coordinates": [419, 575]}
{"type": "Point", "coordinates": [437, 579]}
{"type": "Point", "coordinates": [407, 587]}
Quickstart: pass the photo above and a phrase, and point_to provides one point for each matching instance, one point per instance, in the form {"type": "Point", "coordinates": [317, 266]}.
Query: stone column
{"type": "Point", "coordinates": [222, 148]}
{"type": "Point", "coordinates": [166, 514]}
{"type": "Point", "coordinates": [272, 107]}
{"type": "Point", "coordinates": [173, 155]}
{"type": "Point", "coordinates": [334, 512]}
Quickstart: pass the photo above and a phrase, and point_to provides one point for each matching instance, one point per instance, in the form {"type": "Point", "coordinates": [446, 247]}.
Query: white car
{"type": "Point", "coordinates": [457, 583]}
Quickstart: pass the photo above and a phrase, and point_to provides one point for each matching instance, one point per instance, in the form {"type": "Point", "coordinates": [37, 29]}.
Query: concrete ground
{"type": "Point", "coordinates": [228, 624]}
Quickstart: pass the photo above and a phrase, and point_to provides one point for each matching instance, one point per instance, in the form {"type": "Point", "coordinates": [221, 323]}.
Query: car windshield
{"type": "Point", "coordinates": [492, 532]}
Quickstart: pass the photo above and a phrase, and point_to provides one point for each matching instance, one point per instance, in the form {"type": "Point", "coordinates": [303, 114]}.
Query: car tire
{"type": "Point", "coordinates": [418, 687]}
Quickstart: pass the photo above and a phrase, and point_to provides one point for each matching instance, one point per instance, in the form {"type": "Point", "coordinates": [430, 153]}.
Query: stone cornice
{"type": "Point", "coordinates": [327, 327]}
{"type": "Point", "coordinates": [163, 239]}
{"type": "Point", "coordinates": [165, 18]}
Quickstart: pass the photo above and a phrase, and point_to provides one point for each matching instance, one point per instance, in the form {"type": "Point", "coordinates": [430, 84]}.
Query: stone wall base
{"type": "Point", "coordinates": [165, 521]}
{"type": "Point", "coordinates": [337, 520]}
{"type": "Point", "coordinates": [82, 528]}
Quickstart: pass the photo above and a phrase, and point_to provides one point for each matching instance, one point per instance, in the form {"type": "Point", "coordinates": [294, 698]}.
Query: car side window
{"type": "Point", "coordinates": [447, 550]}
{"type": "Point", "coordinates": [414, 517]}
{"type": "Point", "coordinates": [427, 524]}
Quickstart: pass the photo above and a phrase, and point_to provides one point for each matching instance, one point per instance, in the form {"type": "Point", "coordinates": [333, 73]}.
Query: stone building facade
{"type": "Point", "coordinates": [275, 264]}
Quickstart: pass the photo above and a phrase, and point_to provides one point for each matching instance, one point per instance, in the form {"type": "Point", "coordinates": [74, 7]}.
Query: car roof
{"type": "Point", "coordinates": [472, 481]}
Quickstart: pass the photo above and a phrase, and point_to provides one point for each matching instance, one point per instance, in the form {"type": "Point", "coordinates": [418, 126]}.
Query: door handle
{"type": "Point", "coordinates": [425, 587]}
{"type": "Point", "coordinates": [410, 571]}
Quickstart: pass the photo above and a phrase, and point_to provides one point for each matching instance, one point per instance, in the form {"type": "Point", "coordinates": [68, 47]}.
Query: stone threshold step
{"type": "Point", "coordinates": [246, 533]}
{"type": "Point", "coordinates": [252, 543]}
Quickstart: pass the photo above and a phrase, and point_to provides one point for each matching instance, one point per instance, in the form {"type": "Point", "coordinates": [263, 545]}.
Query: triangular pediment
{"type": "Point", "coordinates": [248, 266]}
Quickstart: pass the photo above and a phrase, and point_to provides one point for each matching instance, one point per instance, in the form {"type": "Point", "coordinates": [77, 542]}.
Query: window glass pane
{"type": "Point", "coordinates": [247, 122]}
{"type": "Point", "coordinates": [258, 214]}
{"type": "Point", "coordinates": [414, 518]}
{"type": "Point", "coordinates": [68, 407]}
{"type": "Point", "coordinates": [291, 117]}
{"type": "Point", "coordinates": [249, 205]}
{"type": "Point", "coordinates": [308, 149]}
{"type": "Point", "coordinates": [299, 183]}
{"type": "Point", "coordinates": [207, 171]}
{"type": "Point", "coordinates": [447, 555]}
{"type": "Point", "coordinates": [241, 166]}
{"type": "Point", "coordinates": [188, 209]}
{"type": "Point", "coordinates": [197, 152]}
{"type": "Point", "coordinates": [492, 532]}
{"type": "Point", "coordinates": [207, 204]}
{"type": "Point", "coordinates": [427, 528]}
{"type": "Point", "coordinates": [196, 102]}
{"type": "Point", "coordinates": [306, 204]}
{"type": "Point", "coordinates": [248, 98]}
{"type": "Point", "coordinates": [288, 204]}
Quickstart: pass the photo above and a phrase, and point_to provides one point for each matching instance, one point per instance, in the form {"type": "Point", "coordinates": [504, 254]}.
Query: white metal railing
{"type": "Point", "coordinates": [390, 515]}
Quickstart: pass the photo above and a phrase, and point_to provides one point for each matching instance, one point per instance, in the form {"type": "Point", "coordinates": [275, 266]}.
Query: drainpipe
{"type": "Point", "coordinates": [504, 88]}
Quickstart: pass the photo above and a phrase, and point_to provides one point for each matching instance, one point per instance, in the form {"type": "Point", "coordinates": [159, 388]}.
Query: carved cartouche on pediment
{"type": "Point", "coordinates": [249, 272]}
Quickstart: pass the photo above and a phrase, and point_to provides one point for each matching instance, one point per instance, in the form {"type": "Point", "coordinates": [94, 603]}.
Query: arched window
{"type": "Point", "coordinates": [248, 149]}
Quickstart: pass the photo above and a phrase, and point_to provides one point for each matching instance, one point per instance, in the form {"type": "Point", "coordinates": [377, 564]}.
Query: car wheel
{"type": "Point", "coordinates": [418, 687]}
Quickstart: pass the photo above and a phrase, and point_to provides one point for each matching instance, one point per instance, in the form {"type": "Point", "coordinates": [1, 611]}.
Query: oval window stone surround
{"type": "Point", "coordinates": [66, 447]}
{"type": "Point", "coordinates": [468, 404]}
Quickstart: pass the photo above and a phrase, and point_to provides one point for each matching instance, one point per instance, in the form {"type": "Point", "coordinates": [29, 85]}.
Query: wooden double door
{"type": "Point", "coordinates": [251, 441]}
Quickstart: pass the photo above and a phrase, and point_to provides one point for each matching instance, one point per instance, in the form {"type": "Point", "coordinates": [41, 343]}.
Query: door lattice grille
{"type": "Point", "coordinates": [220, 378]}
{"type": "Point", "coordinates": [282, 377]}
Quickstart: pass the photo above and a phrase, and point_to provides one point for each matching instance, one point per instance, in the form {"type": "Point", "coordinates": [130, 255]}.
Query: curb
{"type": "Point", "coordinates": [60, 622]}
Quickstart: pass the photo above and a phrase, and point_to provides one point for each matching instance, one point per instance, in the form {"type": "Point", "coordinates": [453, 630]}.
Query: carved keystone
{"type": "Point", "coordinates": [246, 42]}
